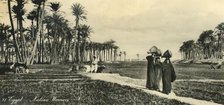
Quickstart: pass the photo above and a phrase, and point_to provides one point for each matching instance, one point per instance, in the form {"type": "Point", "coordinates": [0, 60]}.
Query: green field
{"type": "Point", "coordinates": [56, 86]}
{"type": "Point", "coordinates": [205, 90]}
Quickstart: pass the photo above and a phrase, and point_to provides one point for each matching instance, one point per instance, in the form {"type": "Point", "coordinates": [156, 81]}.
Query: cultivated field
{"type": "Point", "coordinates": [55, 85]}
{"type": "Point", "coordinates": [193, 80]}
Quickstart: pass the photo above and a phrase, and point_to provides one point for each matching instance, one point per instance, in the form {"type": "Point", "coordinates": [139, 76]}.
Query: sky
{"type": "Point", "coordinates": [137, 25]}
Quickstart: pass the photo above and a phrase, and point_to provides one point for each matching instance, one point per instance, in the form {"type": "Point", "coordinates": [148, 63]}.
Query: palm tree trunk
{"type": "Point", "coordinates": [104, 55]}
{"type": "Point", "coordinates": [61, 48]}
{"type": "Point", "coordinates": [23, 40]}
{"type": "Point", "coordinates": [78, 43]}
{"type": "Point", "coordinates": [2, 50]}
{"type": "Point", "coordinates": [68, 51]}
{"type": "Point", "coordinates": [54, 46]}
{"type": "Point", "coordinates": [6, 56]}
{"type": "Point", "coordinates": [115, 51]}
{"type": "Point", "coordinates": [84, 51]}
{"type": "Point", "coordinates": [111, 54]}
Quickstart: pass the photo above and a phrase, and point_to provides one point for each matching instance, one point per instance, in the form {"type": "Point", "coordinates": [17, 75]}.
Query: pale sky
{"type": "Point", "coordinates": [137, 25]}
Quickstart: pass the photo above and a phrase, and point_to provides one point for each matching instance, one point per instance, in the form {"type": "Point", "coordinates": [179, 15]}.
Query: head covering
{"type": "Point", "coordinates": [167, 54]}
{"type": "Point", "coordinates": [158, 52]}
{"type": "Point", "coordinates": [153, 49]}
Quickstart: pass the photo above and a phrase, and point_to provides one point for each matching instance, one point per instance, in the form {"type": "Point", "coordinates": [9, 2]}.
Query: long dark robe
{"type": "Point", "coordinates": [168, 76]}
{"type": "Point", "coordinates": [150, 73]}
{"type": "Point", "coordinates": [158, 76]}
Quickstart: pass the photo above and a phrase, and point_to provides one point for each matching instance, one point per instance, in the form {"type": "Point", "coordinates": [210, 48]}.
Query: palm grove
{"type": "Point", "coordinates": [49, 38]}
{"type": "Point", "coordinates": [209, 45]}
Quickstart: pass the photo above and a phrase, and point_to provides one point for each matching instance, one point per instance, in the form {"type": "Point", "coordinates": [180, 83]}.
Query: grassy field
{"type": "Point", "coordinates": [183, 71]}
{"type": "Point", "coordinates": [206, 90]}
{"type": "Point", "coordinates": [55, 85]}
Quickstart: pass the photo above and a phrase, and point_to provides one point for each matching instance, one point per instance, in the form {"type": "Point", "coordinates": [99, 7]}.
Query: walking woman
{"type": "Point", "coordinates": [168, 73]}
{"type": "Point", "coordinates": [150, 82]}
{"type": "Point", "coordinates": [158, 73]}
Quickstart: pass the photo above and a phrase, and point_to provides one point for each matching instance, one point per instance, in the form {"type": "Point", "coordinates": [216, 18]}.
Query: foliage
{"type": "Point", "coordinates": [50, 38]}
{"type": "Point", "coordinates": [209, 45]}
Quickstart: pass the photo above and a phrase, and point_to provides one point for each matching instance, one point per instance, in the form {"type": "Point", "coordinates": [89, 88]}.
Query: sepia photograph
{"type": "Point", "coordinates": [111, 52]}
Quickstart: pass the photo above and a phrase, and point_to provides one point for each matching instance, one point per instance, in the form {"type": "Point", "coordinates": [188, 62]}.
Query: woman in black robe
{"type": "Point", "coordinates": [168, 73]}
{"type": "Point", "coordinates": [150, 72]}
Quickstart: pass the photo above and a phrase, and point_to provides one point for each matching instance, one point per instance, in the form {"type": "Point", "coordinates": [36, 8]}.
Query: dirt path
{"type": "Point", "coordinates": [140, 84]}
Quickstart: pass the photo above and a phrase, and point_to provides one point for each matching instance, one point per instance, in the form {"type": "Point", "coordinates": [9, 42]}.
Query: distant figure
{"type": "Point", "coordinates": [101, 67]}
{"type": "Point", "coordinates": [158, 74]}
{"type": "Point", "coordinates": [168, 74]}
{"type": "Point", "coordinates": [150, 82]}
{"type": "Point", "coordinates": [94, 65]}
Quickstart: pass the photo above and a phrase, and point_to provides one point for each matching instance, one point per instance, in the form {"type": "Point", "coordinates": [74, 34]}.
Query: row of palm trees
{"type": "Point", "coordinates": [208, 46]}
{"type": "Point", "coordinates": [49, 38]}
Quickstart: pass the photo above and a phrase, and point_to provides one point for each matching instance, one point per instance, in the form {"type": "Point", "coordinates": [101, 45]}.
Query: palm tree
{"type": "Point", "coordinates": [205, 40]}
{"type": "Point", "coordinates": [100, 47]}
{"type": "Point", "coordinates": [120, 55]}
{"type": "Point", "coordinates": [79, 12]}
{"type": "Point", "coordinates": [189, 46]}
{"type": "Point", "coordinates": [55, 6]}
{"type": "Point", "coordinates": [182, 51]}
{"type": "Point", "coordinates": [18, 56]}
{"type": "Point", "coordinates": [65, 33]}
{"type": "Point", "coordinates": [106, 49]}
{"type": "Point", "coordinates": [31, 16]}
{"type": "Point", "coordinates": [84, 32]}
{"type": "Point", "coordinates": [111, 46]}
{"type": "Point", "coordinates": [19, 12]}
{"type": "Point", "coordinates": [3, 39]}
{"type": "Point", "coordinates": [38, 3]}
{"type": "Point", "coordinates": [39, 27]}
{"type": "Point", "coordinates": [115, 52]}
{"type": "Point", "coordinates": [59, 36]}
{"type": "Point", "coordinates": [68, 39]}
{"type": "Point", "coordinates": [220, 33]}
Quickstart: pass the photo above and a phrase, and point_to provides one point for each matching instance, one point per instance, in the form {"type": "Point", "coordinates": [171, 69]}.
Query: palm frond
{"type": "Point", "coordinates": [79, 11]}
{"type": "Point", "coordinates": [55, 6]}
